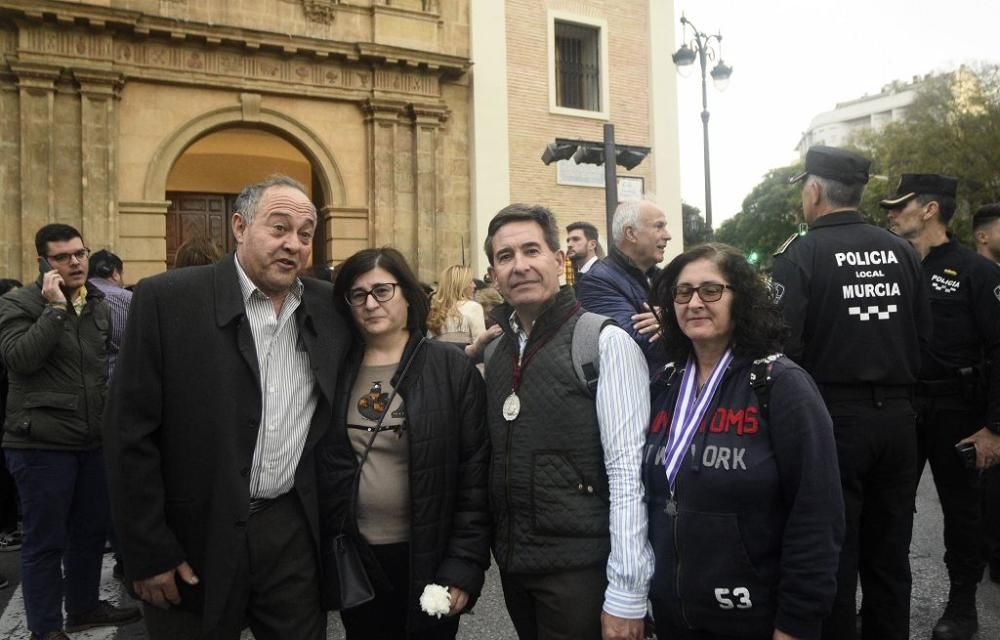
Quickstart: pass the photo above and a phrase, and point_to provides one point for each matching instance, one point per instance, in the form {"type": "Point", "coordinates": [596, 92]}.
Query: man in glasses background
{"type": "Point", "coordinates": [53, 340]}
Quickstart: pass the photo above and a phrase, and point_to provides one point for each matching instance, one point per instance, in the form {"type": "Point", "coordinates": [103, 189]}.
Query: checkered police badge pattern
{"type": "Point", "coordinates": [872, 312]}
{"type": "Point", "coordinates": [945, 286]}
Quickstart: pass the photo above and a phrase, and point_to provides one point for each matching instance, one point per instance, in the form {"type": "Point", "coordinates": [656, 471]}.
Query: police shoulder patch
{"type": "Point", "coordinates": [787, 243]}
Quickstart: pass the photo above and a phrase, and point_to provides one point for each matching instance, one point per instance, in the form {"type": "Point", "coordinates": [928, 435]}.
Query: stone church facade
{"type": "Point", "coordinates": [112, 109]}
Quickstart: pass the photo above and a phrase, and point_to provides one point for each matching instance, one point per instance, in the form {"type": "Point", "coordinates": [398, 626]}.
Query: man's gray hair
{"type": "Point", "coordinates": [248, 201]}
{"type": "Point", "coordinates": [839, 194]}
{"type": "Point", "coordinates": [627, 215]}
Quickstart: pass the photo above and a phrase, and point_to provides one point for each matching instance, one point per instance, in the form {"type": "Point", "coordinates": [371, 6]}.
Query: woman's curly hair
{"type": "Point", "coordinates": [758, 326]}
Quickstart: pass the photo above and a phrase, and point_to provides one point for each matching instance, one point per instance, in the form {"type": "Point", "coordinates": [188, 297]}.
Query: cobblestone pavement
{"type": "Point", "coordinates": [490, 621]}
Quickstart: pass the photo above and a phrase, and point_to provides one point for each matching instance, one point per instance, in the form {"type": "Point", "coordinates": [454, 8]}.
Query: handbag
{"type": "Point", "coordinates": [346, 583]}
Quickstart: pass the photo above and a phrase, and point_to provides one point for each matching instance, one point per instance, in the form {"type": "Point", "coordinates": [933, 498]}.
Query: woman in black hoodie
{"type": "Point", "coordinates": [740, 465]}
{"type": "Point", "coordinates": [411, 412]}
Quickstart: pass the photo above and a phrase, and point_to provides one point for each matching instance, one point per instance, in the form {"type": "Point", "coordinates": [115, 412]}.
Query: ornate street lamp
{"type": "Point", "coordinates": [704, 48]}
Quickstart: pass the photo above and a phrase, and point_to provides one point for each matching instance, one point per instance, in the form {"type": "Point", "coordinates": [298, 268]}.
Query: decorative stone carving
{"type": "Point", "coordinates": [68, 44]}
{"type": "Point", "coordinates": [320, 10]}
{"type": "Point", "coordinates": [403, 82]}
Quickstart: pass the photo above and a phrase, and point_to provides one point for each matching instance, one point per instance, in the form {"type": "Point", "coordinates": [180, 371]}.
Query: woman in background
{"type": "Point", "coordinates": [455, 316]}
{"type": "Point", "coordinates": [196, 252]}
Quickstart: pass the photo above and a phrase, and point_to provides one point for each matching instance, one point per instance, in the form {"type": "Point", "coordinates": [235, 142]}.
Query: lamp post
{"type": "Point", "coordinates": [701, 47]}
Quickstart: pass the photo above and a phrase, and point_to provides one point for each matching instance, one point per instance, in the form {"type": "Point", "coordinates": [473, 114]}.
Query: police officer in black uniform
{"type": "Point", "coordinates": [853, 296]}
{"type": "Point", "coordinates": [956, 395]}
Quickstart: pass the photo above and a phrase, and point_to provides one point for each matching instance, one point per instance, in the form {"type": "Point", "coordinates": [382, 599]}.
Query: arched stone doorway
{"type": "Point", "coordinates": [145, 219]}
{"type": "Point", "coordinates": [203, 183]}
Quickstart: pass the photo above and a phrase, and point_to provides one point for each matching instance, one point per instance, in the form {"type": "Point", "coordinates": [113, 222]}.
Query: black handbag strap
{"type": "Point", "coordinates": [355, 485]}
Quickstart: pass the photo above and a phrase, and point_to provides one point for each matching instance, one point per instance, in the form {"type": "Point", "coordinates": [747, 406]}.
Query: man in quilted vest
{"type": "Point", "coordinates": [566, 493]}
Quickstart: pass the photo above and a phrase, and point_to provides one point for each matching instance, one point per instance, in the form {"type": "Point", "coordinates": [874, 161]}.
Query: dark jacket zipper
{"type": "Point", "coordinates": [77, 321]}
{"type": "Point", "coordinates": [506, 470]}
{"type": "Point", "coordinates": [677, 555]}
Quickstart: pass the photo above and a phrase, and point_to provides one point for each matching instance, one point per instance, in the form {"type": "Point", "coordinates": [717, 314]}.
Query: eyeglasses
{"type": "Point", "coordinates": [382, 292]}
{"type": "Point", "coordinates": [63, 258]}
{"type": "Point", "coordinates": [708, 292]}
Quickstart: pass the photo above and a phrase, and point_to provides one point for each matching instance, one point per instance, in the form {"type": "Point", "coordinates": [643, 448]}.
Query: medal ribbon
{"type": "Point", "coordinates": [689, 411]}
{"type": "Point", "coordinates": [520, 364]}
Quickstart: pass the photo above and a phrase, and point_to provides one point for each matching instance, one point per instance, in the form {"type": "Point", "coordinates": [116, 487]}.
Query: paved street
{"type": "Point", "coordinates": [490, 620]}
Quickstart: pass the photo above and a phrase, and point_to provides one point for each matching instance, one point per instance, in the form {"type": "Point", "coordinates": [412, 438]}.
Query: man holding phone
{"type": "Point", "coordinates": [53, 340]}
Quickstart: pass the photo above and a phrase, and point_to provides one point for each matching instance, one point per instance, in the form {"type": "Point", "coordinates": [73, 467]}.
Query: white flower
{"type": "Point", "coordinates": [435, 600]}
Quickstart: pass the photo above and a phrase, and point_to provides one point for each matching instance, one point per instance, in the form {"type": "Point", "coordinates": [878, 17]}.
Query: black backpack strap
{"type": "Point", "coordinates": [760, 380]}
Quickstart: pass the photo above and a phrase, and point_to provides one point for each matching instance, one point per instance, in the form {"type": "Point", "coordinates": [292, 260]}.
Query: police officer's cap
{"type": "Point", "coordinates": [841, 165]}
{"type": "Point", "coordinates": [913, 184]}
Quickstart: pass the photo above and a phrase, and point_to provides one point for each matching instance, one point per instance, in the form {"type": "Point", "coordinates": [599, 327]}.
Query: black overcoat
{"type": "Point", "coordinates": [182, 421]}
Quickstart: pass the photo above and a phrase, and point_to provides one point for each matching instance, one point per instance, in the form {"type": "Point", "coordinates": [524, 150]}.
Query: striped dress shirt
{"type": "Point", "coordinates": [287, 387]}
{"type": "Point", "coordinates": [622, 404]}
{"type": "Point", "coordinates": [119, 300]}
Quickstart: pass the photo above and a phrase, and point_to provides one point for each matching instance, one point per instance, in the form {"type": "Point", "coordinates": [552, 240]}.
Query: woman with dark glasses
{"type": "Point", "coordinates": [403, 471]}
{"type": "Point", "coordinates": [740, 466]}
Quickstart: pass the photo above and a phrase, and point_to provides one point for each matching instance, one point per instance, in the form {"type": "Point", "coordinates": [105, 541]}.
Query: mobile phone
{"type": "Point", "coordinates": [967, 453]}
{"type": "Point", "coordinates": [44, 266]}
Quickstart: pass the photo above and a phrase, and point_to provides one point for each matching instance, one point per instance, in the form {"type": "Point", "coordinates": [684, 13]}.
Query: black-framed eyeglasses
{"type": "Point", "coordinates": [708, 292]}
{"type": "Point", "coordinates": [382, 292]}
{"type": "Point", "coordinates": [63, 258]}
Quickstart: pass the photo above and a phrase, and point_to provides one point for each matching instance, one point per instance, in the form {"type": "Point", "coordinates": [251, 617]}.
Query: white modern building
{"type": "Point", "coordinates": [834, 128]}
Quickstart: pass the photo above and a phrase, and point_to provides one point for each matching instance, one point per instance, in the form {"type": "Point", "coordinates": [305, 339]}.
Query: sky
{"type": "Point", "coordinates": [794, 59]}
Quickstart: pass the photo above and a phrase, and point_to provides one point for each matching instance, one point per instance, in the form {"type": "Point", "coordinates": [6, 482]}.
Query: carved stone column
{"type": "Point", "coordinates": [36, 87]}
{"type": "Point", "coordinates": [99, 94]}
{"type": "Point", "coordinates": [142, 233]}
{"type": "Point", "coordinates": [427, 122]}
{"type": "Point", "coordinates": [382, 119]}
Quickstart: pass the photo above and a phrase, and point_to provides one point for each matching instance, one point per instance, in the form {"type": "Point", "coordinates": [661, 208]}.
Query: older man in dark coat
{"type": "Point", "coordinates": [222, 388]}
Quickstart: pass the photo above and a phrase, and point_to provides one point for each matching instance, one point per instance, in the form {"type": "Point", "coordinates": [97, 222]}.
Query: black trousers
{"type": "Point", "coordinates": [941, 423]}
{"type": "Point", "coordinates": [877, 454]}
{"type": "Point", "coordinates": [275, 588]}
{"type": "Point", "coordinates": [556, 606]}
{"type": "Point", "coordinates": [385, 617]}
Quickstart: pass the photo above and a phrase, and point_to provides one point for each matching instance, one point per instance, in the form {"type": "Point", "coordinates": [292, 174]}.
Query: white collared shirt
{"type": "Point", "coordinates": [287, 387]}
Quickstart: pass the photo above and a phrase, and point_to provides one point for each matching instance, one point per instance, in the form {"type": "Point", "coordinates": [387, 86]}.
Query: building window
{"type": "Point", "coordinates": [577, 66]}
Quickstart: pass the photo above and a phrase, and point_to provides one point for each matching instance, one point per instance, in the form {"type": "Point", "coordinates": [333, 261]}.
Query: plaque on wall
{"type": "Point", "coordinates": [579, 175]}
{"type": "Point", "coordinates": [630, 188]}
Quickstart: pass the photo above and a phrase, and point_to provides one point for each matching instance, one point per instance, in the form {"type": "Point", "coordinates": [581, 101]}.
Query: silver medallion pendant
{"type": "Point", "coordinates": [671, 508]}
{"type": "Point", "coordinates": [511, 407]}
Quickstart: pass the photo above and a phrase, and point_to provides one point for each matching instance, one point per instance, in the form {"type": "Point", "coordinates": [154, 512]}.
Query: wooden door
{"type": "Point", "coordinates": [193, 215]}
